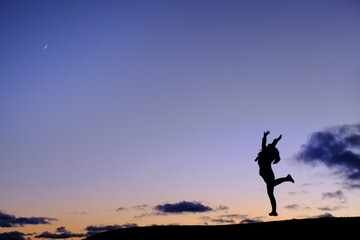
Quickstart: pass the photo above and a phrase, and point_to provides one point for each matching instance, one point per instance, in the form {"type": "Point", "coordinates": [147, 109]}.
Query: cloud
{"type": "Point", "coordinates": [337, 147]}
{"type": "Point", "coordinates": [96, 229]}
{"type": "Point", "coordinates": [292, 206]}
{"type": "Point", "coordinates": [60, 233]}
{"type": "Point", "coordinates": [234, 216]}
{"type": "Point", "coordinates": [331, 195]}
{"type": "Point", "coordinates": [12, 236]}
{"type": "Point", "coordinates": [183, 207]}
{"type": "Point", "coordinates": [222, 208]}
{"type": "Point", "coordinates": [91, 230]}
{"type": "Point", "coordinates": [219, 220]}
{"type": "Point", "coordinates": [129, 225]}
{"type": "Point", "coordinates": [248, 220]}
{"type": "Point", "coordinates": [223, 220]}
{"type": "Point", "coordinates": [120, 209]}
{"type": "Point", "coordinates": [336, 208]}
{"type": "Point", "coordinates": [231, 219]}
{"type": "Point", "coordinates": [142, 207]}
{"type": "Point", "coordinates": [143, 215]}
{"type": "Point", "coordinates": [79, 213]}
{"type": "Point", "coordinates": [325, 215]}
{"type": "Point", "coordinates": [7, 220]}
{"type": "Point", "coordinates": [61, 230]}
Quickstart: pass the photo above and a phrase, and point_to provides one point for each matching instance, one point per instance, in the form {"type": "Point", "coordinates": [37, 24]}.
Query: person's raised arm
{"type": "Point", "coordinates": [263, 143]}
{"type": "Point", "coordinates": [276, 140]}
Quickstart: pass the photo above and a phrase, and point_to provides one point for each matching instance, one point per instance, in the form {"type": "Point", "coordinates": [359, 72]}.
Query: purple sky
{"type": "Point", "coordinates": [108, 105]}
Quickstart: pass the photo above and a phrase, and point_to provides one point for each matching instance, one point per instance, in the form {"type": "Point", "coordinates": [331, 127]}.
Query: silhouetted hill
{"type": "Point", "coordinates": [343, 227]}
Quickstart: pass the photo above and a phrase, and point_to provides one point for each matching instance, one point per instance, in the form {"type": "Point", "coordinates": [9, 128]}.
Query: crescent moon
{"type": "Point", "coordinates": [45, 47]}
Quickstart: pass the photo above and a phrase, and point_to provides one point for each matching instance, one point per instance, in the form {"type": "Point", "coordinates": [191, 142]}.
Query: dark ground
{"type": "Point", "coordinates": [341, 228]}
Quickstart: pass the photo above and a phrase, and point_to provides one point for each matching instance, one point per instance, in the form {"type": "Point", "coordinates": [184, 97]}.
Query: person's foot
{"type": "Point", "coordinates": [273, 214]}
{"type": "Point", "coordinates": [290, 179]}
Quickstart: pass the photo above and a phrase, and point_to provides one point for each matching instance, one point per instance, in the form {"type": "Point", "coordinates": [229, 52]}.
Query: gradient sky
{"type": "Point", "coordinates": [123, 113]}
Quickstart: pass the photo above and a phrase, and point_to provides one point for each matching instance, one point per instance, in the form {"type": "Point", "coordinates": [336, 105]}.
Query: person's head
{"type": "Point", "coordinates": [272, 152]}
{"type": "Point", "coordinates": [271, 146]}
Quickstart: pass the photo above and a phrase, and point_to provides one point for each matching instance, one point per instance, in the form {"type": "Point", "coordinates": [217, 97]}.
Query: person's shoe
{"type": "Point", "coordinates": [289, 177]}
{"type": "Point", "coordinates": [273, 214]}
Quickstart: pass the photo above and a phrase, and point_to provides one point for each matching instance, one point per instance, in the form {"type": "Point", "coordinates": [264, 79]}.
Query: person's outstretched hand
{"type": "Point", "coordinates": [279, 137]}
{"type": "Point", "coordinates": [266, 132]}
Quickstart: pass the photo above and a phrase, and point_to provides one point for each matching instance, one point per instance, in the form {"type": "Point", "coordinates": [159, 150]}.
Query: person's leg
{"type": "Point", "coordinates": [288, 178]}
{"type": "Point", "coordinates": [270, 192]}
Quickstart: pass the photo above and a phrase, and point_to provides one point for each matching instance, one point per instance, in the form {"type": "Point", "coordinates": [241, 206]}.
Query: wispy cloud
{"type": "Point", "coordinates": [143, 215]}
{"type": "Point", "coordinates": [183, 207]}
{"type": "Point", "coordinates": [79, 213]}
{"type": "Point", "coordinates": [297, 207]}
{"type": "Point", "coordinates": [333, 208]}
{"type": "Point", "coordinates": [339, 195]}
{"type": "Point", "coordinates": [234, 216]}
{"type": "Point", "coordinates": [337, 147]}
{"type": "Point", "coordinates": [292, 206]}
{"type": "Point", "coordinates": [142, 207]}
{"type": "Point", "coordinates": [119, 209]}
{"type": "Point", "coordinates": [222, 208]}
{"type": "Point", "coordinates": [7, 220]}
{"type": "Point", "coordinates": [224, 219]}
{"type": "Point", "coordinates": [60, 233]}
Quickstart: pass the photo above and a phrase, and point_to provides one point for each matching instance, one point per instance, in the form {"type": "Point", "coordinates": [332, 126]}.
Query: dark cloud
{"type": "Point", "coordinates": [62, 230]}
{"type": "Point", "coordinates": [12, 236]}
{"type": "Point", "coordinates": [96, 229]}
{"type": "Point", "coordinates": [183, 207]}
{"type": "Point", "coordinates": [223, 220]}
{"type": "Point", "coordinates": [325, 215]}
{"type": "Point", "coordinates": [292, 206]}
{"type": "Point", "coordinates": [230, 219]}
{"type": "Point", "coordinates": [120, 209]}
{"type": "Point", "coordinates": [336, 208]}
{"type": "Point", "coordinates": [91, 230]}
{"type": "Point", "coordinates": [7, 220]}
{"type": "Point", "coordinates": [337, 147]}
{"type": "Point", "coordinates": [331, 195]}
{"type": "Point", "coordinates": [60, 233]}
{"type": "Point", "coordinates": [248, 220]}
{"type": "Point", "coordinates": [220, 220]}
{"type": "Point", "coordinates": [129, 225]}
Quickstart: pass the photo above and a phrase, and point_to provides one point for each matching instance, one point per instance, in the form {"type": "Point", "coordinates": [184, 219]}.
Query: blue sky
{"type": "Point", "coordinates": [109, 105]}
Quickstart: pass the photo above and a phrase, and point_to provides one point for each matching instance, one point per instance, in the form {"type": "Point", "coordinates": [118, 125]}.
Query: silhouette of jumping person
{"type": "Point", "coordinates": [270, 154]}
